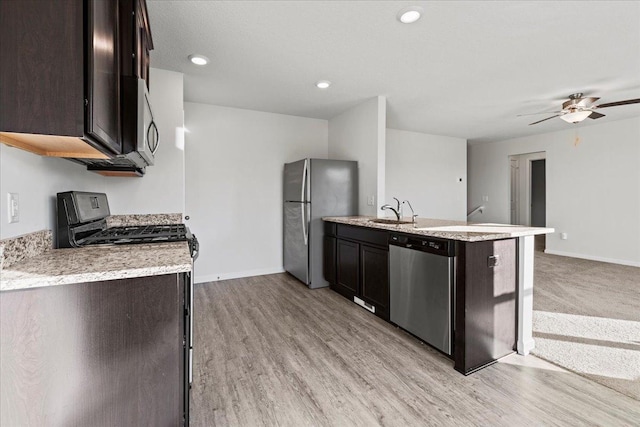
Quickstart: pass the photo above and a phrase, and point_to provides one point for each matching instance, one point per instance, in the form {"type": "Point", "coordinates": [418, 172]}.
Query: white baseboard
{"type": "Point", "coordinates": [236, 275]}
{"type": "Point", "coordinates": [593, 258]}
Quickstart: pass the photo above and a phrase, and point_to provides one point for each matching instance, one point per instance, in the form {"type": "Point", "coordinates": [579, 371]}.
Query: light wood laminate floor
{"type": "Point", "coordinates": [269, 351]}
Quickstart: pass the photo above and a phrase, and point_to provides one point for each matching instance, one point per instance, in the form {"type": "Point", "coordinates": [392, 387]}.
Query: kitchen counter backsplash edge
{"type": "Point", "coordinates": [16, 249]}
{"type": "Point", "coordinates": [143, 219]}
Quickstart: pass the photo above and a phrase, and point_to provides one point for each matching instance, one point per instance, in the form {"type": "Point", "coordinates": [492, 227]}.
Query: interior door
{"type": "Point", "coordinates": [538, 193]}
{"type": "Point", "coordinates": [296, 254]}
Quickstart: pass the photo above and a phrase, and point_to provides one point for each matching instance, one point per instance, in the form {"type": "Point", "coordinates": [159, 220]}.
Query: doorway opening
{"type": "Point", "coordinates": [528, 191]}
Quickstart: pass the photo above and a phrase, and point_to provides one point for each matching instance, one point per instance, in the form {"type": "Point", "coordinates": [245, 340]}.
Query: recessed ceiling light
{"type": "Point", "coordinates": [409, 15]}
{"type": "Point", "coordinates": [323, 84]}
{"type": "Point", "coordinates": [199, 59]}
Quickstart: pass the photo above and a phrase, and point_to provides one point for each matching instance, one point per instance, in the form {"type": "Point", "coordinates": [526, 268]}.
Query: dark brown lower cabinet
{"type": "Point", "coordinates": [347, 266]}
{"type": "Point", "coordinates": [101, 354]}
{"type": "Point", "coordinates": [485, 304]}
{"type": "Point", "coordinates": [356, 264]}
{"type": "Point", "coordinates": [374, 267]}
{"type": "Point", "coordinates": [329, 253]}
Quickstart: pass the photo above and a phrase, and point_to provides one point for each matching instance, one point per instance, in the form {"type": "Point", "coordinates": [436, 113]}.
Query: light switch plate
{"type": "Point", "coordinates": [13, 207]}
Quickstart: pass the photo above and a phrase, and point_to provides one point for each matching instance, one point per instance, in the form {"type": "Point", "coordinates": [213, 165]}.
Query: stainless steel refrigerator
{"type": "Point", "coordinates": [314, 188]}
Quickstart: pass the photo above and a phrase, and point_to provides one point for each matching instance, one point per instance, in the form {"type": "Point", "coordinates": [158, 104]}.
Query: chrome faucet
{"type": "Point", "coordinates": [397, 211]}
{"type": "Point", "coordinates": [413, 214]}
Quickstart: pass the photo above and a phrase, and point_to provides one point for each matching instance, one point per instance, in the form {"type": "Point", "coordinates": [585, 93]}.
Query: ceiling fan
{"type": "Point", "coordinates": [577, 108]}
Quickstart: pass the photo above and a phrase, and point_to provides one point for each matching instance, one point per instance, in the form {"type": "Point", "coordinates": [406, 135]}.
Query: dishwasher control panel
{"type": "Point", "coordinates": [425, 244]}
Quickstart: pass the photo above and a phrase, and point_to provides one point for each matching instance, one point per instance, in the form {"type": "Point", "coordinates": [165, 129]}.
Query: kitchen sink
{"type": "Point", "coordinates": [389, 221]}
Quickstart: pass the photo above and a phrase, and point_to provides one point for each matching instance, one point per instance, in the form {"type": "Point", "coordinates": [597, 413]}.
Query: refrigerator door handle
{"type": "Point", "coordinates": [304, 183]}
{"type": "Point", "coordinates": [305, 224]}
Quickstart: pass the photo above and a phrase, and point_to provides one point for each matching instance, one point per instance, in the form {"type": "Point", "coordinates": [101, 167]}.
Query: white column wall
{"type": "Point", "coordinates": [428, 170]}
{"type": "Point", "coordinates": [359, 134]}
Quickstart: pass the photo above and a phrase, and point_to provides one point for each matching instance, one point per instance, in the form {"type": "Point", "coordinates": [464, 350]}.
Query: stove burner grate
{"type": "Point", "coordinates": [139, 234]}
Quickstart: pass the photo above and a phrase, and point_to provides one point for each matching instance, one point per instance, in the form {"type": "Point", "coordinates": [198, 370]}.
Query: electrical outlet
{"type": "Point", "coordinates": [371, 201]}
{"type": "Point", "coordinates": [485, 198]}
{"type": "Point", "coordinates": [564, 236]}
{"type": "Point", "coordinates": [13, 206]}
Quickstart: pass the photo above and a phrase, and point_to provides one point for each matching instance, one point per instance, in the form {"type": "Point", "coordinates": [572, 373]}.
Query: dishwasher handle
{"type": "Point", "coordinates": [431, 245]}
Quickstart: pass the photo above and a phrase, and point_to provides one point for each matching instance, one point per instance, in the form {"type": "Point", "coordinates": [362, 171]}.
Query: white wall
{"type": "Point", "coordinates": [593, 189]}
{"type": "Point", "coordinates": [359, 134]}
{"type": "Point", "coordinates": [161, 190]}
{"type": "Point", "coordinates": [234, 165]}
{"type": "Point", "coordinates": [37, 179]}
{"type": "Point", "coordinates": [428, 170]}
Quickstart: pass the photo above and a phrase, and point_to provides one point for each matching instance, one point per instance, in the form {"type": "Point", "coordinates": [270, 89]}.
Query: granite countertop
{"type": "Point", "coordinates": [446, 229]}
{"type": "Point", "coordinates": [96, 263]}
{"type": "Point", "coordinates": [29, 261]}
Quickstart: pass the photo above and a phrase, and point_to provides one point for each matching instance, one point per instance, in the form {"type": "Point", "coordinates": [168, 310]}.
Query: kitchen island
{"type": "Point", "coordinates": [492, 290]}
{"type": "Point", "coordinates": [93, 335]}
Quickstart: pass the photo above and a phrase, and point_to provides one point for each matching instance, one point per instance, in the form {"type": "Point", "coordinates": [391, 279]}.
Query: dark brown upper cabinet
{"type": "Point", "coordinates": [137, 43]}
{"type": "Point", "coordinates": [61, 73]}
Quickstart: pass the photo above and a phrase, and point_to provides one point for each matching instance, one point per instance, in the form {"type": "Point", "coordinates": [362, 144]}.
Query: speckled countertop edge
{"type": "Point", "coordinates": [16, 249]}
{"type": "Point", "coordinates": [96, 263]}
{"type": "Point", "coordinates": [143, 219]}
{"type": "Point", "coordinates": [514, 231]}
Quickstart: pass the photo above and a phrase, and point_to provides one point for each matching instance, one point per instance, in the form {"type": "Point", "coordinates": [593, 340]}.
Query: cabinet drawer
{"type": "Point", "coordinates": [362, 234]}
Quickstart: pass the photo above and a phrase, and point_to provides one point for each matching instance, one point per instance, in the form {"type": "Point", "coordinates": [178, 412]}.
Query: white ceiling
{"type": "Point", "coordinates": [466, 69]}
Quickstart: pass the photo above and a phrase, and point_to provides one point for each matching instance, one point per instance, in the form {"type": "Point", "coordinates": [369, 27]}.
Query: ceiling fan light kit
{"type": "Point", "coordinates": [577, 108]}
{"type": "Point", "coordinates": [576, 117]}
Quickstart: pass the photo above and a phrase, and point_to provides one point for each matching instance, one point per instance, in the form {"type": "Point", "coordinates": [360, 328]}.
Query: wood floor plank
{"type": "Point", "coordinates": [269, 351]}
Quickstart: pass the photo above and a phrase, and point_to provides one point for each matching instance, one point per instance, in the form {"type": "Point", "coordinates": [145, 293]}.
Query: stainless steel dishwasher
{"type": "Point", "coordinates": [421, 286]}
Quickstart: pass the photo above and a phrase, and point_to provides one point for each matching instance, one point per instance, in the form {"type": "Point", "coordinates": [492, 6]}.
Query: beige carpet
{"type": "Point", "coordinates": [587, 319]}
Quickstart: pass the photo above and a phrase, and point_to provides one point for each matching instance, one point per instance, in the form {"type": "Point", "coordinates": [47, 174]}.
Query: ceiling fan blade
{"type": "Point", "coordinates": [595, 115]}
{"type": "Point", "coordinates": [542, 112]}
{"type": "Point", "coordinates": [614, 104]}
{"type": "Point", "coordinates": [540, 121]}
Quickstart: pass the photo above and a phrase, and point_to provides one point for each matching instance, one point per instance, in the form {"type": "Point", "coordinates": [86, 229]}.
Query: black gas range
{"type": "Point", "coordinates": [82, 221]}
